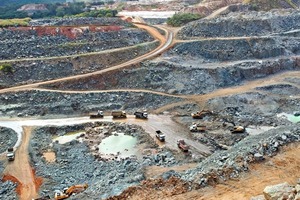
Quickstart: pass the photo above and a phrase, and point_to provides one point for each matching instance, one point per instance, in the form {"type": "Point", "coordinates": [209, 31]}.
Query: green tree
{"type": "Point", "coordinates": [180, 19]}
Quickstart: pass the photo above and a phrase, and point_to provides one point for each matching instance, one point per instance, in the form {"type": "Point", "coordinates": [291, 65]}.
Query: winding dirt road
{"type": "Point", "coordinates": [21, 170]}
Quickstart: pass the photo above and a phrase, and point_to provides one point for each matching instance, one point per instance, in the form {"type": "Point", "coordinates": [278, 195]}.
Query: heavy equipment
{"type": "Point", "coordinates": [160, 136]}
{"type": "Point", "coordinates": [238, 129]}
{"type": "Point", "coordinates": [141, 115]}
{"type": "Point", "coordinates": [118, 114]}
{"type": "Point", "coordinates": [197, 128]}
{"type": "Point", "coordinates": [182, 145]}
{"type": "Point", "coordinates": [98, 114]}
{"type": "Point", "coordinates": [67, 192]}
{"type": "Point", "coordinates": [201, 114]}
{"type": "Point", "coordinates": [10, 154]}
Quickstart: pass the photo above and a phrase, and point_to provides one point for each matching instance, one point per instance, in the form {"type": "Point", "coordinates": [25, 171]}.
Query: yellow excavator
{"type": "Point", "coordinates": [67, 192]}
{"type": "Point", "coordinates": [201, 114]}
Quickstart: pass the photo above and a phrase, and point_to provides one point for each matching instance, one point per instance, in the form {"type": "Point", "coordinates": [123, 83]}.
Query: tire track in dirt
{"type": "Point", "coordinates": [21, 170]}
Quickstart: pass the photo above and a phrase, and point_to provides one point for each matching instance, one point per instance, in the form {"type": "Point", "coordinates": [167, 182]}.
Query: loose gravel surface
{"type": "Point", "coordinates": [8, 139]}
{"type": "Point", "coordinates": [105, 177]}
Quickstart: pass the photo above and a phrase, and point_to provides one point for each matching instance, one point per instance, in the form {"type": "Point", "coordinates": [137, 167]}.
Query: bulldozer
{"type": "Point", "coordinates": [201, 114]}
{"type": "Point", "coordinates": [67, 192]}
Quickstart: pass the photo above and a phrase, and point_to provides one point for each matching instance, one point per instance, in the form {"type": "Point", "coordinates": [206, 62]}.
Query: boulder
{"type": "Point", "coordinates": [276, 192]}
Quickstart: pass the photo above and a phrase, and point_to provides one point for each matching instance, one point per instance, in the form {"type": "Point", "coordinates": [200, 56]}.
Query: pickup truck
{"type": "Point", "coordinates": [160, 136]}
{"type": "Point", "coordinates": [182, 145]}
{"type": "Point", "coordinates": [10, 154]}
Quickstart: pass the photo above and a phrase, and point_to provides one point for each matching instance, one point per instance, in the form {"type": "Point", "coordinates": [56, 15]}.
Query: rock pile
{"type": "Point", "coordinates": [224, 165]}
{"type": "Point", "coordinates": [280, 191]}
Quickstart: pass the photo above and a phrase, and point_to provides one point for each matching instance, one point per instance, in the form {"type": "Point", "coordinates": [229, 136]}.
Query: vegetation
{"type": "Point", "coordinates": [14, 22]}
{"type": "Point", "coordinates": [7, 68]}
{"type": "Point", "coordinates": [55, 10]}
{"type": "Point", "coordinates": [99, 13]}
{"type": "Point", "coordinates": [182, 18]}
{"type": "Point", "coordinates": [22, 2]}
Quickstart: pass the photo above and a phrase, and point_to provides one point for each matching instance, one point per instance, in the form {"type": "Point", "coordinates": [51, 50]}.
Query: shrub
{"type": "Point", "coordinates": [6, 68]}
{"type": "Point", "coordinates": [180, 19]}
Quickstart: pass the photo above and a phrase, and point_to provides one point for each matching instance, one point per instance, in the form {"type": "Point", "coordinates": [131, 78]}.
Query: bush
{"type": "Point", "coordinates": [180, 19]}
{"type": "Point", "coordinates": [14, 22]}
{"type": "Point", "coordinates": [6, 68]}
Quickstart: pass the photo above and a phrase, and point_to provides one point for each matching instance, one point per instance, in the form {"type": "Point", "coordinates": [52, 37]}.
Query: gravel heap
{"type": "Point", "coordinates": [280, 191]}
{"type": "Point", "coordinates": [52, 103]}
{"type": "Point", "coordinates": [23, 44]}
{"type": "Point", "coordinates": [75, 164]}
{"type": "Point", "coordinates": [8, 138]}
{"type": "Point", "coordinates": [223, 165]}
{"type": "Point", "coordinates": [243, 24]}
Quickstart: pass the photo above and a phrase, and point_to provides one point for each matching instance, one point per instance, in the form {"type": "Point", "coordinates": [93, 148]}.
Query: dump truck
{"type": "Point", "coordinates": [98, 114]}
{"type": "Point", "coordinates": [10, 154]}
{"type": "Point", "coordinates": [182, 145]}
{"type": "Point", "coordinates": [197, 128]}
{"type": "Point", "coordinates": [201, 114]}
{"type": "Point", "coordinates": [67, 192]}
{"type": "Point", "coordinates": [118, 114]}
{"type": "Point", "coordinates": [141, 115]}
{"type": "Point", "coordinates": [238, 129]}
{"type": "Point", "coordinates": [160, 136]}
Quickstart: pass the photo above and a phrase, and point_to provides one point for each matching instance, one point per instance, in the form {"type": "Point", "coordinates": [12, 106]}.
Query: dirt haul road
{"type": "Point", "coordinates": [21, 170]}
{"type": "Point", "coordinates": [165, 43]}
{"type": "Point", "coordinates": [172, 130]}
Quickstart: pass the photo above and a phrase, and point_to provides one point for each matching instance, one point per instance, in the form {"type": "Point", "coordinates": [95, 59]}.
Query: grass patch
{"type": "Point", "coordinates": [14, 22]}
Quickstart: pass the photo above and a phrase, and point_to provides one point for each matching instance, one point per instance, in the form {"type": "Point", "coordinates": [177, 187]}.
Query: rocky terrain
{"type": "Point", "coordinates": [245, 76]}
{"type": "Point", "coordinates": [280, 191]}
{"type": "Point", "coordinates": [238, 24]}
{"type": "Point", "coordinates": [105, 177]}
{"type": "Point", "coordinates": [8, 139]}
{"type": "Point", "coordinates": [40, 103]}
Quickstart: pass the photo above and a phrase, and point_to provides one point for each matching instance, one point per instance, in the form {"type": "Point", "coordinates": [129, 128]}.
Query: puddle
{"type": "Point", "coordinates": [121, 145]}
{"type": "Point", "coordinates": [67, 138]}
{"type": "Point", "coordinates": [49, 156]}
{"type": "Point", "coordinates": [256, 130]}
{"type": "Point", "coordinates": [290, 117]}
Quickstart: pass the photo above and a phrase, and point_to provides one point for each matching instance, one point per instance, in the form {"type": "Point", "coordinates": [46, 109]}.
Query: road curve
{"type": "Point", "coordinates": [165, 43]}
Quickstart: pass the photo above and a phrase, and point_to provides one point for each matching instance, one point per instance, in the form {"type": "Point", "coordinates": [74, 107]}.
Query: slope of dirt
{"type": "Point", "coordinates": [283, 167]}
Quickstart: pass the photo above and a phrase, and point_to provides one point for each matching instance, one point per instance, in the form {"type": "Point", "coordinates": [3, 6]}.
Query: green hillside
{"type": "Point", "coordinates": [21, 2]}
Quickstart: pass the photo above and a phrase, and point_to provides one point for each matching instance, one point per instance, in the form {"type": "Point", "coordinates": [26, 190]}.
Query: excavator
{"type": "Point", "coordinates": [201, 114]}
{"type": "Point", "coordinates": [67, 192]}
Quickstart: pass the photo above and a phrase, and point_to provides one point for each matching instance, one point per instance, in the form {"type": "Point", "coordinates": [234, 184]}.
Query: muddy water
{"type": "Point", "coordinates": [119, 144]}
